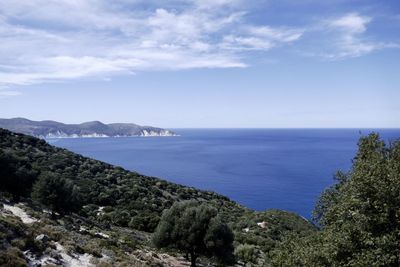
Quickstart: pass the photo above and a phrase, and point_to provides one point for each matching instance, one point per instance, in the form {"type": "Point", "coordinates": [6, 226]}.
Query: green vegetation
{"type": "Point", "coordinates": [56, 193]}
{"type": "Point", "coordinates": [106, 210]}
{"type": "Point", "coordinates": [248, 254]}
{"type": "Point", "coordinates": [14, 172]}
{"type": "Point", "coordinates": [359, 216]}
{"type": "Point", "coordinates": [275, 225]}
{"type": "Point", "coordinates": [128, 198]}
{"type": "Point", "coordinates": [195, 229]}
{"type": "Point", "coordinates": [101, 209]}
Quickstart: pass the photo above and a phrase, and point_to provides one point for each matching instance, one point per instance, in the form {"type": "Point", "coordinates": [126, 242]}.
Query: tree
{"type": "Point", "coordinates": [56, 193]}
{"type": "Point", "coordinates": [247, 253]}
{"type": "Point", "coordinates": [195, 229]}
{"type": "Point", "coordinates": [359, 215]}
{"type": "Point", "coordinates": [219, 240]}
{"type": "Point", "coordinates": [15, 172]}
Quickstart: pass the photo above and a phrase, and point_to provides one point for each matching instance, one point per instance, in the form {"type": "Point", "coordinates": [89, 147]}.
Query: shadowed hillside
{"type": "Point", "coordinates": [110, 203]}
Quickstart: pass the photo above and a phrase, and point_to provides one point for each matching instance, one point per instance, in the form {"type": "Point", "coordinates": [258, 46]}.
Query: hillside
{"type": "Point", "coordinates": [53, 129]}
{"type": "Point", "coordinates": [107, 213]}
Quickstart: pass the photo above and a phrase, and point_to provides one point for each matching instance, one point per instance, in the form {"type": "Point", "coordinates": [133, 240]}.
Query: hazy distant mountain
{"type": "Point", "coordinates": [53, 129]}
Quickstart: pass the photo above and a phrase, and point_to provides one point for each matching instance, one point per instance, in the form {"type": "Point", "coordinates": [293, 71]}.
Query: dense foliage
{"type": "Point", "coordinates": [56, 192]}
{"type": "Point", "coordinates": [359, 215]}
{"type": "Point", "coordinates": [247, 254]}
{"type": "Point", "coordinates": [113, 198]}
{"type": "Point", "coordinates": [194, 229]}
{"type": "Point", "coordinates": [14, 172]}
{"type": "Point", "coordinates": [130, 199]}
{"type": "Point", "coordinates": [276, 224]}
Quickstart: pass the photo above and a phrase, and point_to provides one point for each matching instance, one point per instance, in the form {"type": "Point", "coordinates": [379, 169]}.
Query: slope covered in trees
{"type": "Point", "coordinates": [131, 199]}
{"type": "Point", "coordinates": [358, 217]}
{"type": "Point", "coordinates": [109, 198]}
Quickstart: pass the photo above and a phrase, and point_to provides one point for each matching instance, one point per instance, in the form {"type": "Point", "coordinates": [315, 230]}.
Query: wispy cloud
{"type": "Point", "coordinates": [347, 37]}
{"type": "Point", "coordinates": [351, 23]}
{"type": "Point", "coordinates": [4, 92]}
{"type": "Point", "coordinates": [43, 40]}
{"type": "Point", "coordinates": [55, 40]}
{"type": "Point", "coordinates": [260, 38]}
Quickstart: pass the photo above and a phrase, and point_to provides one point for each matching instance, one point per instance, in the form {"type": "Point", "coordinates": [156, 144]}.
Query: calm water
{"type": "Point", "coordinates": [259, 168]}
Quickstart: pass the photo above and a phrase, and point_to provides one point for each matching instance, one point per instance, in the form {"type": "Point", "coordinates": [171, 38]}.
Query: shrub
{"type": "Point", "coordinates": [194, 229]}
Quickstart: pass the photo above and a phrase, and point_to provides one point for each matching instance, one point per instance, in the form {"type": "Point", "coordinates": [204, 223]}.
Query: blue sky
{"type": "Point", "coordinates": [202, 63]}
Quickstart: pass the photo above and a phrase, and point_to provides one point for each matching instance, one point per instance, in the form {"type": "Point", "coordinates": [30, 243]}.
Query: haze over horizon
{"type": "Point", "coordinates": [202, 63]}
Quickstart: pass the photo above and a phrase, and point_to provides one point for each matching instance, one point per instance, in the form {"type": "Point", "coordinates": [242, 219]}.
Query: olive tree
{"type": "Point", "coordinates": [56, 192]}
{"type": "Point", "coordinates": [195, 229]}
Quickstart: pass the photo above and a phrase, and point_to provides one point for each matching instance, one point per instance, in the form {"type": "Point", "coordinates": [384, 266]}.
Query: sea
{"type": "Point", "coordinates": [259, 168]}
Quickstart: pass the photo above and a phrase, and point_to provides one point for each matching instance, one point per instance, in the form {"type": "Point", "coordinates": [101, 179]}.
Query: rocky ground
{"type": "Point", "coordinates": [33, 238]}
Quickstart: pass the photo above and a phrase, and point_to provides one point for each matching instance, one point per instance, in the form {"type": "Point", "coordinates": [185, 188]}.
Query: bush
{"type": "Point", "coordinates": [359, 215]}
{"type": "Point", "coordinates": [56, 193]}
{"type": "Point", "coordinates": [12, 257]}
{"type": "Point", "coordinates": [194, 229]}
{"type": "Point", "coordinates": [247, 253]}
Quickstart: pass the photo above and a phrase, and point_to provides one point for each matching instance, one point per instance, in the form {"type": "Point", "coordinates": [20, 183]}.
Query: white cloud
{"type": "Point", "coordinates": [208, 4]}
{"type": "Point", "coordinates": [352, 23]}
{"type": "Point", "coordinates": [276, 34]}
{"type": "Point", "coordinates": [347, 37]}
{"type": "Point", "coordinates": [260, 38]}
{"type": "Point", "coordinates": [8, 93]}
{"type": "Point", "coordinates": [233, 42]}
{"type": "Point", "coordinates": [43, 40]}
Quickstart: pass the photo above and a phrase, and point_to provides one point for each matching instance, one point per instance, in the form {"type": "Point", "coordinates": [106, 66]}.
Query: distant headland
{"type": "Point", "coordinates": [54, 129]}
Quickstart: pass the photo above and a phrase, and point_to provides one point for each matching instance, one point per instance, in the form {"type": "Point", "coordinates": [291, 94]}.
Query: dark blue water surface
{"type": "Point", "coordinates": [259, 168]}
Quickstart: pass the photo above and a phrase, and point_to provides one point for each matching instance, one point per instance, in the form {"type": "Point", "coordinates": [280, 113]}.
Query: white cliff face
{"type": "Point", "coordinates": [145, 133]}
{"type": "Point", "coordinates": [60, 134]}
{"type": "Point", "coordinates": [168, 133]}
{"type": "Point", "coordinates": [64, 135]}
{"type": "Point", "coordinates": [95, 135]}
{"type": "Point", "coordinates": [155, 133]}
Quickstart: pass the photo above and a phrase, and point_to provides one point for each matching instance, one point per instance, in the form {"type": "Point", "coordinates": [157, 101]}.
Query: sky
{"type": "Point", "coordinates": [202, 63]}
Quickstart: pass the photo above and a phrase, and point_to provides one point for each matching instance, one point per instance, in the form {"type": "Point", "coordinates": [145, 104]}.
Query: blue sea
{"type": "Point", "coordinates": [259, 168]}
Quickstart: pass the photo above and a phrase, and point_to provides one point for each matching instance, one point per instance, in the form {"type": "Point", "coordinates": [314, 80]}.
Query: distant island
{"type": "Point", "coordinates": [53, 129]}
